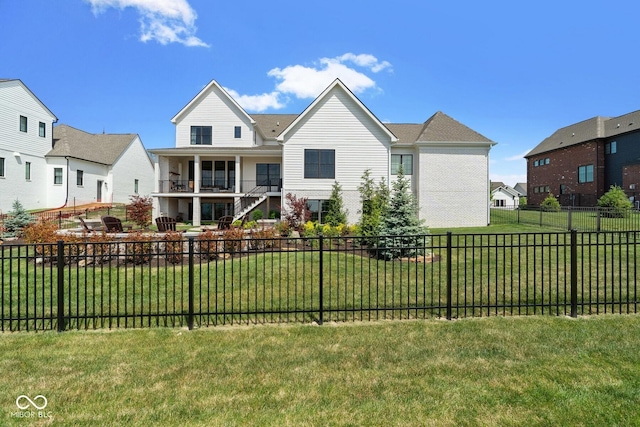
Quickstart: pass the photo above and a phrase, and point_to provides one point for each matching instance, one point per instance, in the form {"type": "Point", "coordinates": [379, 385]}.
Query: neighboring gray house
{"type": "Point", "coordinates": [521, 187]}
{"type": "Point", "coordinates": [96, 168]}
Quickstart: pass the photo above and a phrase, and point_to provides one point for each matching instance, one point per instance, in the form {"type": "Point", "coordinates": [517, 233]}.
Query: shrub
{"type": "Point", "coordinates": [264, 238]}
{"type": "Point", "coordinates": [233, 240]}
{"type": "Point", "coordinates": [298, 212]}
{"type": "Point", "coordinates": [140, 210]}
{"type": "Point", "coordinates": [374, 201]}
{"type": "Point", "coordinates": [100, 247]}
{"type": "Point", "coordinates": [273, 214]}
{"type": "Point", "coordinates": [550, 204]}
{"type": "Point", "coordinates": [208, 245]}
{"type": "Point", "coordinates": [138, 248]}
{"type": "Point", "coordinates": [257, 215]}
{"type": "Point", "coordinates": [616, 202]}
{"type": "Point", "coordinates": [44, 235]}
{"type": "Point", "coordinates": [173, 247]}
{"type": "Point", "coordinates": [17, 219]}
{"type": "Point", "coordinates": [283, 228]}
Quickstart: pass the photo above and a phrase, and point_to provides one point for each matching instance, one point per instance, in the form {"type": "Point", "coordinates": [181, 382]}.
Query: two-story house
{"type": "Point", "coordinates": [580, 162]}
{"type": "Point", "coordinates": [227, 162]}
{"type": "Point", "coordinates": [46, 166]}
{"type": "Point", "coordinates": [26, 129]}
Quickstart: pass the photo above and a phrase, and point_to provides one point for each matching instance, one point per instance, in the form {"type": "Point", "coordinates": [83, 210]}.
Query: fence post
{"type": "Point", "coordinates": [574, 273]}
{"type": "Point", "coordinates": [540, 216]}
{"type": "Point", "coordinates": [190, 318]}
{"type": "Point", "coordinates": [320, 281]}
{"type": "Point", "coordinates": [598, 219]}
{"type": "Point", "coordinates": [60, 271]}
{"type": "Point", "coordinates": [449, 278]}
{"type": "Point", "coordinates": [570, 218]}
{"type": "Point", "coordinates": [60, 219]}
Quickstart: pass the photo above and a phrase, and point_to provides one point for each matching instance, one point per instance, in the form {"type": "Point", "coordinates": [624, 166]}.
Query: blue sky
{"type": "Point", "coordinates": [513, 71]}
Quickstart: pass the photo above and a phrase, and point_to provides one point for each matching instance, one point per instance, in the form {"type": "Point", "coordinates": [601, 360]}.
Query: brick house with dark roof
{"type": "Point", "coordinates": [580, 162]}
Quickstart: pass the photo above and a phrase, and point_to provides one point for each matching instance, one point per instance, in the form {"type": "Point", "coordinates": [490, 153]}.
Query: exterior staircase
{"type": "Point", "coordinates": [249, 201]}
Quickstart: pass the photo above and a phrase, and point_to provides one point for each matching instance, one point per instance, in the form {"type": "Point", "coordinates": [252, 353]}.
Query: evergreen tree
{"type": "Point", "coordinates": [336, 214]}
{"type": "Point", "coordinates": [17, 219]}
{"type": "Point", "coordinates": [401, 230]}
{"type": "Point", "coordinates": [374, 200]}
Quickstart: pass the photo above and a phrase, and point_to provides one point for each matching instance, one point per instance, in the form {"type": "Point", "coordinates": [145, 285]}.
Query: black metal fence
{"type": "Point", "coordinates": [199, 283]}
{"type": "Point", "coordinates": [569, 218]}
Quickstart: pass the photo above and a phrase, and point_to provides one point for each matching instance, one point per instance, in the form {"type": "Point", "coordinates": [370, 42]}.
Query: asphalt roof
{"type": "Point", "coordinates": [99, 148]}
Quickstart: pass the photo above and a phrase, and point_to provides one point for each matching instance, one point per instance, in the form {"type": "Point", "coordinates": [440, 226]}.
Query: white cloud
{"type": "Point", "coordinates": [308, 82]}
{"type": "Point", "coordinates": [257, 102]}
{"type": "Point", "coordinates": [305, 82]}
{"type": "Point", "coordinates": [165, 21]}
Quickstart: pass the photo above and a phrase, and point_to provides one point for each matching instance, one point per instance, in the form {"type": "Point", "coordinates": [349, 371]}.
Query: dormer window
{"type": "Point", "coordinates": [201, 135]}
{"type": "Point", "coordinates": [237, 132]}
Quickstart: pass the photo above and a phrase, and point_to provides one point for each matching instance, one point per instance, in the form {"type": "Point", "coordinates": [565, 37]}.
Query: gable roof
{"type": "Point", "coordinates": [337, 84]}
{"type": "Point", "coordinates": [496, 184]}
{"type": "Point", "coordinates": [97, 148]}
{"type": "Point", "coordinates": [505, 189]}
{"type": "Point", "coordinates": [588, 130]}
{"type": "Point", "coordinates": [441, 127]}
{"type": "Point", "coordinates": [5, 81]}
{"type": "Point", "coordinates": [202, 94]}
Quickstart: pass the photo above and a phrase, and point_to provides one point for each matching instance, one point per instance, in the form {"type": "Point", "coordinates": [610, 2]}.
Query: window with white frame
{"type": "Point", "coordinates": [1, 167]}
{"type": "Point", "coordinates": [27, 171]}
{"type": "Point", "coordinates": [57, 176]}
{"type": "Point", "coordinates": [23, 124]}
{"type": "Point", "coordinates": [237, 132]}
{"type": "Point", "coordinates": [79, 178]}
{"type": "Point", "coordinates": [42, 129]}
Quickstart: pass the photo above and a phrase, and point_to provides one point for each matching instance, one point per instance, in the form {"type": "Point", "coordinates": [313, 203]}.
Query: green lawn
{"type": "Point", "coordinates": [525, 371]}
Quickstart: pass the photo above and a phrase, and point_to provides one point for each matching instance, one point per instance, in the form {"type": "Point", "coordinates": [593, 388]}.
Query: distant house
{"type": "Point", "coordinates": [97, 168]}
{"type": "Point", "coordinates": [227, 162]}
{"type": "Point", "coordinates": [26, 129]}
{"type": "Point", "coordinates": [504, 196]}
{"type": "Point", "coordinates": [521, 187]}
{"type": "Point", "coordinates": [48, 167]}
{"type": "Point", "coordinates": [580, 162]}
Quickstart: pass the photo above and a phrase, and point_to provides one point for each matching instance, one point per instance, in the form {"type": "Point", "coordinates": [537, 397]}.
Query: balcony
{"type": "Point", "coordinates": [174, 186]}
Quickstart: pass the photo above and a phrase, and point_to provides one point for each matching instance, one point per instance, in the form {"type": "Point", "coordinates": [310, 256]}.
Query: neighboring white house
{"type": "Point", "coordinates": [49, 167]}
{"type": "Point", "coordinates": [504, 196]}
{"type": "Point", "coordinates": [25, 138]}
{"type": "Point", "coordinates": [97, 168]}
{"type": "Point", "coordinates": [227, 162]}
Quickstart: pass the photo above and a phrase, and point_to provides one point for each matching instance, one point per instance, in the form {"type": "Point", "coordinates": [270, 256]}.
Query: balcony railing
{"type": "Point", "coordinates": [218, 186]}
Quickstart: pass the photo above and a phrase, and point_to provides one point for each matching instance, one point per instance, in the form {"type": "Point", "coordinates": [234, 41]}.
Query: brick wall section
{"type": "Point", "coordinates": [631, 178]}
{"type": "Point", "coordinates": [563, 169]}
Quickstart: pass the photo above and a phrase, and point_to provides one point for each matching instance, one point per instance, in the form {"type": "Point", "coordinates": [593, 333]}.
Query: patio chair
{"type": "Point", "coordinates": [86, 228]}
{"type": "Point", "coordinates": [112, 224]}
{"type": "Point", "coordinates": [166, 223]}
{"type": "Point", "coordinates": [224, 222]}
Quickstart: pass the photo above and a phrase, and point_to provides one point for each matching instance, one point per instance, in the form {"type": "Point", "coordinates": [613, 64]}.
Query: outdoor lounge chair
{"type": "Point", "coordinates": [112, 224]}
{"type": "Point", "coordinates": [224, 222]}
{"type": "Point", "coordinates": [86, 228]}
{"type": "Point", "coordinates": [166, 223]}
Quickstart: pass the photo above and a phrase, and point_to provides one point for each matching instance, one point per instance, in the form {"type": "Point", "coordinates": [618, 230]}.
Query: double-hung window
{"type": "Point", "coordinates": [585, 174]}
{"type": "Point", "coordinates": [57, 176]}
{"type": "Point", "coordinates": [402, 160]}
{"type": "Point", "coordinates": [201, 135]}
{"type": "Point", "coordinates": [320, 164]}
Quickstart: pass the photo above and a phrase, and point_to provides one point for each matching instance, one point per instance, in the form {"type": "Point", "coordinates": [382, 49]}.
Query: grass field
{"type": "Point", "coordinates": [533, 371]}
